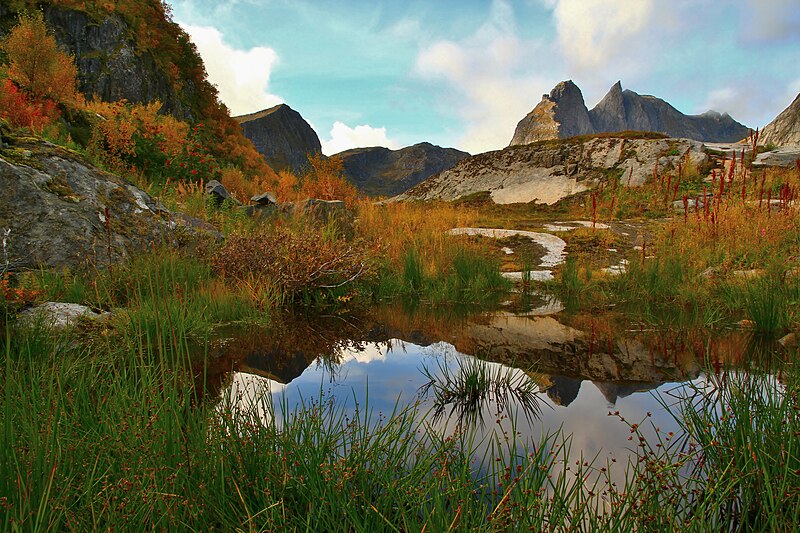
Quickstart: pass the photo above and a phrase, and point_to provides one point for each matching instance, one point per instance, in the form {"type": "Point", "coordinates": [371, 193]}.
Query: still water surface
{"type": "Point", "coordinates": [580, 374]}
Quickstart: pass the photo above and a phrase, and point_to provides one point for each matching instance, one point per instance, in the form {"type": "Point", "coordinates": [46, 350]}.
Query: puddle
{"type": "Point", "coordinates": [552, 371]}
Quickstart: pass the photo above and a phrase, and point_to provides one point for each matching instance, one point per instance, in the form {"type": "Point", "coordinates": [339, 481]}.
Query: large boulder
{"type": "Point", "coordinates": [61, 211]}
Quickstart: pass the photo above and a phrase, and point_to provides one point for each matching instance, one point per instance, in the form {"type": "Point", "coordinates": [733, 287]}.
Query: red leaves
{"type": "Point", "coordinates": [23, 111]}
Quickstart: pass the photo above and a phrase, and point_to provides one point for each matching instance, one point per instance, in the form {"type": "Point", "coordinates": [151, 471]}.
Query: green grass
{"type": "Point", "coordinates": [113, 434]}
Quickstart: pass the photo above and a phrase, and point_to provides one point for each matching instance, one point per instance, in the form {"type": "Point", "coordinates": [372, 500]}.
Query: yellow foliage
{"type": "Point", "coordinates": [36, 64]}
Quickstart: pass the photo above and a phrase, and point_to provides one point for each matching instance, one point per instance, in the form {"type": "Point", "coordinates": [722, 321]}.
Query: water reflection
{"type": "Point", "coordinates": [467, 388]}
{"type": "Point", "coordinates": [512, 376]}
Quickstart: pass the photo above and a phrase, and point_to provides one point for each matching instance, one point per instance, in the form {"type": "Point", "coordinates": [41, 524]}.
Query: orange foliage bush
{"type": "Point", "coordinates": [326, 181]}
{"type": "Point", "coordinates": [137, 139]}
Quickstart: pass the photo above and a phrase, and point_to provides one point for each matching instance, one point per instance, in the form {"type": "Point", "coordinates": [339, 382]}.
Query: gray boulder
{"type": "Point", "coordinates": [60, 315]}
{"type": "Point", "coordinates": [64, 212]}
{"type": "Point", "coordinates": [219, 193]}
{"type": "Point", "coordinates": [265, 198]}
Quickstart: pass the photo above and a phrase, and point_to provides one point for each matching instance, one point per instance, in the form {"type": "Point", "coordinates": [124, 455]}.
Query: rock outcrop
{"type": "Point", "coordinates": [559, 115]}
{"type": "Point", "coordinates": [547, 171]}
{"type": "Point", "coordinates": [60, 211]}
{"type": "Point", "coordinates": [282, 136]}
{"type": "Point", "coordinates": [380, 171]}
{"type": "Point", "coordinates": [563, 114]}
{"type": "Point", "coordinates": [111, 65]}
{"type": "Point", "coordinates": [785, 129]}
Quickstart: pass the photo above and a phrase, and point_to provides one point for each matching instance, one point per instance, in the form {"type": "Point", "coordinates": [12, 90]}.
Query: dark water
{"type": "Point", "coordinates": [578, 374]}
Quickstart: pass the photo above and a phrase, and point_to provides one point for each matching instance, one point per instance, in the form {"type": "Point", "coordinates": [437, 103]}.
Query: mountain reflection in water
{"type": "Point", "coordinates": [390, 358]}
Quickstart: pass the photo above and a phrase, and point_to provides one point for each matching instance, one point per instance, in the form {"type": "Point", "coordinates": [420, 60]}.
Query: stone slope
{"type": "Point", "coordinates": [379, 171]}
{"type": "Point", "coordinates": [563, 114]}
{"type": "Point", "coordinates": [785, 129]}
{"type": "Point", "coordinates": [60, 211]}
{"type": "Point", "coordinates": [547, 171]}
{"type": "Point", "coordinates": [282, 136]}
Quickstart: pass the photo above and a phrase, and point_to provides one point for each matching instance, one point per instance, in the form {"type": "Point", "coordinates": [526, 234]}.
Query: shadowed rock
{"type": "Point", "coordinates": [282, 136]}
{"type": "Point", "coordinates": [378, 171]}
{"type": "Point", "coordinates": [64, 212]}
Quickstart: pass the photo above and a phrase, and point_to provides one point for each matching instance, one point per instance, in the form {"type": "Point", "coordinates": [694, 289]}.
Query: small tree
{"type": "Point", "coordinates": [37, 65]}
{"type": "Point", "coordinates": [326, 180]}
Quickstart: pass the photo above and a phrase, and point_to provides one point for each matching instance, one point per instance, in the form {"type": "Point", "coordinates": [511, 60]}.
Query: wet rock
{"type": "Point", "coordinates": [60, 315]}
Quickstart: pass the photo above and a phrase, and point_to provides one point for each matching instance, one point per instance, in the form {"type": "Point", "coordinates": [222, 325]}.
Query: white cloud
{"type": "Point", "coordinates": [771, 20]}
{"type": "Point", "coordinates": [596, 33]}
{"type": "Point", "coordinates": [343, 137]}
{"type": "Point", "coordinates": [490, 77]}
{"type": "Point", "coordinates": [752, 102]}
{"type": "Point", "coordinates": [241, 76]}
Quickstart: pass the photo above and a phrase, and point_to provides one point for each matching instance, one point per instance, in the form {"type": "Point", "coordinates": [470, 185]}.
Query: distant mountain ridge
{"type": "Point", "coordinates": [785, 129]}
{"type": "Point", "coordinates": [563, 113]}
{"type": "Point", "coordinates": [282, 136]}
{"type": "Point", "coordinates": [379, 171]}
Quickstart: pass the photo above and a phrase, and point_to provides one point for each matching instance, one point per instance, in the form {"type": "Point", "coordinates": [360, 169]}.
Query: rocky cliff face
{"type": "Point", "coordinates": [379, 171]}
{"type": "Point", "coordinates": [785, 129]}
{"type": "Point", "coordinates": [111, 66]}
{"type": "Point", "coordinates": [620, 110]}
{"type": "Point", "coordinates": [547, 171]}
{"type": "Point", "coordinates": [282, 136]}
{"type": "Point", "coordinates": [60, 211]}
{"type": "Point", "coordinates": [559, 115]}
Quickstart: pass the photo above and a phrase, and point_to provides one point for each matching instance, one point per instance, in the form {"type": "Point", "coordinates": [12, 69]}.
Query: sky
{"type": "Point", "coordinates": [462, 73]}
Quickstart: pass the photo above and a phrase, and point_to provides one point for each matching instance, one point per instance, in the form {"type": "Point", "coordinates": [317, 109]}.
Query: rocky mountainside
{"type": "Point", "coordinates": [111, 63]}
{"type": "Point", "coordinates": [380, 171]}
{"type": "Point", "coordinates": [282, 136]}
{"type": "Point", "coordinates": [57, 210]}
{"type": "Point", "coordinates": [785, 129]}
{"type": "Point", "coordinates": [563, 113]}
{"type": "Point", "coordinates": [548, 171]}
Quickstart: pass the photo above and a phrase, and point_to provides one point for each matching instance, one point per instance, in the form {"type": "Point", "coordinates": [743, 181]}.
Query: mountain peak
{"type": "Point", "coordinates": [282, 136]}
{"type": "Point", "coordinates": [563, 114]}
{"type": "Point", "coordinates": [560, 114]}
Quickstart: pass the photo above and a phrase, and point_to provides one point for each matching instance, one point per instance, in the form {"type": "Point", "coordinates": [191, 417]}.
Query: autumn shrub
{"type": "Point", "coordinates": [37, 65]}
{"type": "Point", "coordinates": [326, 181]}
{"type": "Point", "coordinates": [291, 259]}
{"type": "Point", "coordinates": [138, 139]}
{"type": "Point", "coordinates": [22, 111]}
